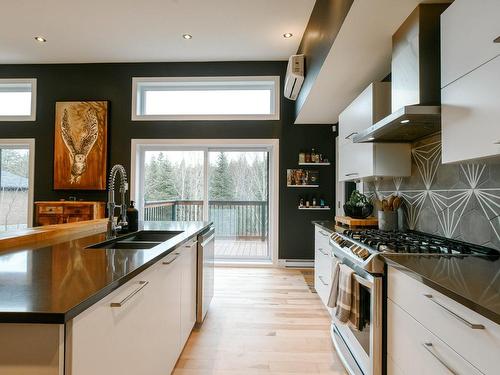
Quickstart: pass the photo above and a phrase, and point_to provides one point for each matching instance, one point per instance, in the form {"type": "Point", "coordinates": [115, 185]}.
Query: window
{"type": "Point", "coordinates": [205, 98]}
{"type": "Point", "coordinates": [18, 99]}
{"type": "Point", "coordinates": [17, 160]}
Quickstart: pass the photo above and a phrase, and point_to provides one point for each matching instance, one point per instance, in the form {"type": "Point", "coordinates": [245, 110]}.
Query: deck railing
{"type": "Point", "coordinates": [231, 218]}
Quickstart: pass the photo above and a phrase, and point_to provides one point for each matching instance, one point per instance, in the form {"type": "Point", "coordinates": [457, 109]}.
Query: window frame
{"type": "Point", "coordinates": [32, 82]}
{"type": "Point", "coordinates": [138, 101]}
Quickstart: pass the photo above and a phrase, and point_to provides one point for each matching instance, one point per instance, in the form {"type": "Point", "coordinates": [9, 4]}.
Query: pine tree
{"type": "Point", "coordinates": [221, 182]}
{"type": "Point", "coordinates": [159, 179]}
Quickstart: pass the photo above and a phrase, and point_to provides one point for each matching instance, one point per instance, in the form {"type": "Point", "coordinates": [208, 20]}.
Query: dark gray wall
{"type": "Point", "coordinates": [113, 82]}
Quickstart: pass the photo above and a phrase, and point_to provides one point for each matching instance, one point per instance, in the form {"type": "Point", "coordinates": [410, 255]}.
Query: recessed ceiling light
{"type": "Point", "coordinates": [287, 35]}
{"type": "Point", "coordinates": [40, 39]}
{"type": "Point", "coordinates": [405, 121]}
{"type": "Point", "coordinates": [187, 36]}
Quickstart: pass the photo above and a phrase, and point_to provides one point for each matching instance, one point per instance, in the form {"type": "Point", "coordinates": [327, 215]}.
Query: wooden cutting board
{"type": "Point", "coordinates": [355, 223]}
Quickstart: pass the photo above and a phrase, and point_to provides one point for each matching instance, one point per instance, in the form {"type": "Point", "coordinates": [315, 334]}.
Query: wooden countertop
{"type": "Point", "coordinates": [49, 234]}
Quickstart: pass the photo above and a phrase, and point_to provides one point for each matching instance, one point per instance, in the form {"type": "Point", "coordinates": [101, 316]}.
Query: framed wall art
{"type": "Point", "coordinates": [80, 147]}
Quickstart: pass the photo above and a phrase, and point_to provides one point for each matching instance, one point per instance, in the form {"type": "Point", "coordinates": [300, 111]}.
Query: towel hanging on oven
{"type": "Point", "coordinates": [344, 297]}
{"type": "Point", "coordinates": [334, 285]}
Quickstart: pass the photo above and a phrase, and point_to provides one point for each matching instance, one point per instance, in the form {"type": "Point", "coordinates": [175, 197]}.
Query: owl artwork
{"type": "Point", "coordinates": [80, 145]}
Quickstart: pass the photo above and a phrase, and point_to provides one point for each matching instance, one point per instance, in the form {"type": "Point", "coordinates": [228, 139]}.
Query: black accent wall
{"type": "Point", "coordinates": [113, 82]}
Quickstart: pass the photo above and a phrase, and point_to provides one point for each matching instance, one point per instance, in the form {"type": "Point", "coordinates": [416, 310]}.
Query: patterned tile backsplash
{"type": "Point", "coordinates": [460, 201]}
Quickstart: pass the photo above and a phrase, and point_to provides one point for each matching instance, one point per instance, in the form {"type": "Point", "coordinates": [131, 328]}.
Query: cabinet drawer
{"type": "Point", "coordinates": [478, 346]}
{"type": "Point", "coordinates": [415, 350]}
{"type": "Point", "coordinates": [321, 239]}
{"type": "Point", "coordinates": [50, 210]}
{"type": "Point", "coordinates": [468, 28]}
{"type": "Point", "coordinates": [77, 210]}
{"type": "Point", "coordinates": [470, 113]}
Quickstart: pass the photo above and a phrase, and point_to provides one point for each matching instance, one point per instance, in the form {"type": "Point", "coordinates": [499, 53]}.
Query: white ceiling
{"type": "Point", "coordinates": [360, 54]}
{"type": "Point", "coordinates": [150, 30]}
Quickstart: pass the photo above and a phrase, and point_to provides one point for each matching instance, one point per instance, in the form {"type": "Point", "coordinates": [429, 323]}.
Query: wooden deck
{"type": "Point", "coordinates": [241, 249]}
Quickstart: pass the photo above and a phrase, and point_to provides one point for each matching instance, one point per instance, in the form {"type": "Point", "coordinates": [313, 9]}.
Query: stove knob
{"type": "Point", "coordinates": [364, 253]}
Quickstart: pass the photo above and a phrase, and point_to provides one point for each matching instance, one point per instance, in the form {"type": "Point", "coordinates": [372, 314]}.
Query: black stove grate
{"type": "Point", "coordinates": [415, 242]}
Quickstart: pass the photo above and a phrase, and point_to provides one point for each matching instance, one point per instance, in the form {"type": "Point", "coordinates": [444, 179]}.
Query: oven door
{"type": "Point", "coordinates": [361, 350]}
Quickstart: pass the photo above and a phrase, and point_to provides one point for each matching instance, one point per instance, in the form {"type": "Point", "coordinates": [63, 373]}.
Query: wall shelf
{"type": "Point", "coordinates": [311, 164]}
{"type": "Point", "coordinates": [326, 208]}
{"type": "Point", "coordinates": [303, 186]}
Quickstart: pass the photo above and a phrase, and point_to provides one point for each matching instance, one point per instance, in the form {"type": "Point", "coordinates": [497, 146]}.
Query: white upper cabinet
{"type": "Point", "coordinates": [367, 160]}
{"type": "Point", "coordinates": [470, 71]}
{"type": "Point", "coordinates": [468, 31]}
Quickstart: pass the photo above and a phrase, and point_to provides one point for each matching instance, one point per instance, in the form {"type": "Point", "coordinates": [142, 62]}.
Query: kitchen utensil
{"type": "Point", "coordinates": [396, 203]}
{"type": "Point", "coordinates": [390, 202]}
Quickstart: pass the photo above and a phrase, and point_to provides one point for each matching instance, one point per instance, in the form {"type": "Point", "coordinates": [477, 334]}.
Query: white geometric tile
{"type": "Point", "coordinates": [413, 202]}
{"type": "Point", "coordinates": [428, 159]}
{"type": "Point", "coordinates": [449, 208]}
{"type": "Point", "coordinates": [473, 173]}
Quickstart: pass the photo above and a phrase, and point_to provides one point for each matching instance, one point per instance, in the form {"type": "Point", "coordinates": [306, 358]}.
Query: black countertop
{"type": "Point", "coordinates": [327, 225]}
{"type": "Point", "coordinates": [54, 284]}
{"type": "Point", "coordinates": [473, 281]}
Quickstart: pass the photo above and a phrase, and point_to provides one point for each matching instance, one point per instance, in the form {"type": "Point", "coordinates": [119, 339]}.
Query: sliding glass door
{"type": "Point", "coordinates": [228, 186]}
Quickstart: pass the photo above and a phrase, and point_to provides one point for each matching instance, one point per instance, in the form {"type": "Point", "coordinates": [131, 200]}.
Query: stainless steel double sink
{"type": "Point", "coordinates": [141, 240]}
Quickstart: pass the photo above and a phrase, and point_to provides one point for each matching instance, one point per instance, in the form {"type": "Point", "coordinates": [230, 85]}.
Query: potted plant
{"type": "Point", "coordinates": [358, 206]}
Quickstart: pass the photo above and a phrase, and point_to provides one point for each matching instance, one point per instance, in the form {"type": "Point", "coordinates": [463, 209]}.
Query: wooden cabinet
{"type": "Point", "coordinates": [443, 322]}
{"type": "Point", "coordinates": [470, 80]}
{"type": "Point", "coordinates": [142, 326]}
{"type": "Point", "coordinates": [61, 212]}
{"type": "Point", "coordinates": [367, 160]}
{"type": "Point", "coordinates": [468, 31]}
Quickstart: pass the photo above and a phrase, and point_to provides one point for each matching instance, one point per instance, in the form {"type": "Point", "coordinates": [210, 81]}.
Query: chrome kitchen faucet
{"type": "Point", "coordinates": [122, 223]}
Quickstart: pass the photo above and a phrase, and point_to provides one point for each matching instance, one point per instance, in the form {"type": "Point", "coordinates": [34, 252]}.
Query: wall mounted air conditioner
{"type": "Point", "coordinates": [294, 76]}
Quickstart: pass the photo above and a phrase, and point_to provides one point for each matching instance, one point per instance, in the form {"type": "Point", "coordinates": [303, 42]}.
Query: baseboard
{"type": "Point", "coordinates": [295, 263]}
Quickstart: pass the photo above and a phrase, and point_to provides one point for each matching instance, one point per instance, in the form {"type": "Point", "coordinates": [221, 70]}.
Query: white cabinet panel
{"type": "Point", "coordinates": [478, 346]}
{"type": "Point", "coordinates": [188, 290]}
{"type": "Point", "coordinates": [471, 115]}
{"type": "Point", "coordinates": [322, 264]}
{"type": "Point", "coordinates": [468, 28]}
{"type": "Point", "coordinates": [355, 161]}
{"type": "Point", "coordinates": [415, 351]}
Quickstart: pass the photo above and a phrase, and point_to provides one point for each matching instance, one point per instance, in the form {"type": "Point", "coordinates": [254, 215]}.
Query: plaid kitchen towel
{"type": "Point", "coordinates": [344, 297]}
{"type": "Point", "coordinates": [334, 285]}
{"type": "Point", "coordinates": [355, 316]}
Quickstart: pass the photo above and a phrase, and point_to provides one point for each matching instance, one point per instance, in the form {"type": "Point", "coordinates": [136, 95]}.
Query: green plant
{"type": "Point", "coordinates": [357, 199]}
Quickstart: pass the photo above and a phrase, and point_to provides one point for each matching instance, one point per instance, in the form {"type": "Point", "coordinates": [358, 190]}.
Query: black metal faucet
{"type": "Point", "coordinates": [122, 223]}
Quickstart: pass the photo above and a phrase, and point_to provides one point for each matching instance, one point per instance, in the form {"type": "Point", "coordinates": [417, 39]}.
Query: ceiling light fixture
{"type": "Point", "coordinates": [287, 35]}
{"type": "Point", "coordinates": [405, 121]}
{"type": "Point", "coordinates": [187, 36]}
{"type": "Point", "coordinates": [40, 39]}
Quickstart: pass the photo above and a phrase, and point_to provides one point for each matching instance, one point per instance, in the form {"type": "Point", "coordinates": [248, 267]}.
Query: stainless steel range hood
{"type": "Point", "coordinates": [405, 125]}
{"type": "Point", "coordinates": [415, 80]}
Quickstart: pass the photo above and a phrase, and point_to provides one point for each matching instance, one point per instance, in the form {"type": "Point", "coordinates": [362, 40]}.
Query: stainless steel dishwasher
{"type": "Point", "coordinates": [205, 279]}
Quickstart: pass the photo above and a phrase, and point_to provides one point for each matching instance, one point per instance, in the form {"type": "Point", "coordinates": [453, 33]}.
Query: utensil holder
{"type": "Point", "coordinates": [387, 220]}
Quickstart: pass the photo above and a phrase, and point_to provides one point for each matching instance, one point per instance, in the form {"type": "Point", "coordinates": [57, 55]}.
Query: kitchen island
{"type": "Point", "coordinates": [70, 309]}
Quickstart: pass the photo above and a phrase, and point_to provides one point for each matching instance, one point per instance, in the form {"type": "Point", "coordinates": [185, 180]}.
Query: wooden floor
{"type": "Point", "coordinates": [261, 321]}
{"type": "Point", "coordinates": [242, 249]}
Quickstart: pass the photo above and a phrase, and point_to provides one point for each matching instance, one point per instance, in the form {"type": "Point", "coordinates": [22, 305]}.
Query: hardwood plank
{"type": "Point", "coordinates": [261, 321]}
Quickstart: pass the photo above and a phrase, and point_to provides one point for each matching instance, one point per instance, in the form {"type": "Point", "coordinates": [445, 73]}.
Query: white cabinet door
{"type": "Point", "coordinates": [142, 336]}
{"type": "Point", "coordinates": [188, 290]}
{"type": "Point", "coordinates": [468, 29]}
{"type": "Point", "coordinates": [471, 115]}
{"type": "Point", "coordinates": [109, 340]}
{"type": "Point", "coordinates": [414, 350]}
{"type": "Point", "coordinates": [322, 264]}
{"type": "Point", "coordinates": [355, 161]}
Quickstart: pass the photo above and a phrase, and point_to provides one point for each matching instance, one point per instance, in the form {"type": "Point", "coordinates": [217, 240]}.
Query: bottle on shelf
{"type": "Point", "coordinates": [314, 201]}
{"type": "Point", "coordinates": [308, 157]}
{"type": "Point", "coordinates": [313, 156]}
{"type": "Point", "coordinates": [301, 202]}
{"type": "Point", "coordinates": [321, 202]}
{"type": "Point", "coordinates": [307, 203]}
{"type": "Point", "coordinates": [302, 157]}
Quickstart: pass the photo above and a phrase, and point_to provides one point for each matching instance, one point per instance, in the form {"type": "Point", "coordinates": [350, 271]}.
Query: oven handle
{"type": "Point", "coordinates": [363, 281]}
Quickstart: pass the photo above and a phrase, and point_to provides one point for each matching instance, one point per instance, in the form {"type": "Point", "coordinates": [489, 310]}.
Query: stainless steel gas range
{"type": "Point", "coordinates": [361, 350]}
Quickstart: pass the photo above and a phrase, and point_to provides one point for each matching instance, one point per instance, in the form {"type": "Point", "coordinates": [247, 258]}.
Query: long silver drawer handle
{"type": "Point", "coordinates": [352, 174]}
{"type": "Point", "coordinates": [322, 281]}
{"type": "Point", "coordinates": [322, 251]}
{"type": "Point", "coordinates": [428, 346]}
{"type": "Point", "coordinates": [454, 314]}
{"type": "Point", "coordinates": [124, 301]}
{"type": "Point", "coordinates": [172, 260]}
{"type": "Point", "coordinates": [323, 233]}
{"type": "Point", "coordinates": [350, 135]}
